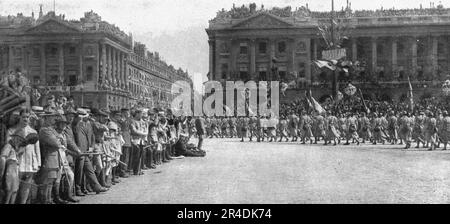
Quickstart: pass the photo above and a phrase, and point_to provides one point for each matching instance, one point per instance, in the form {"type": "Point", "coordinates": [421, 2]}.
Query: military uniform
{"type": "Point", "coordinates": [405, 131]}
{"type": "Point", "coordinates": [306, 127]}
{"type": "Point", "coordinates": [293, 122]}
{"type": "Point", "coordinates": [283, 128]}
{"type": "Point", "coordinates": [445, 131]}
{"type": "Point", "coordinates": [392, 128]}
{"type": "Point", "coordinates": [332, 131]}
{"type": "Point", "coordinates": [418, 130]}
{"type": "Point", "coordinates": [365, 131]}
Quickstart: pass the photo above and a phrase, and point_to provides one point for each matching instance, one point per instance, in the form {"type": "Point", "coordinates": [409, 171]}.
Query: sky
{"type": "Point", "coordinates": [176, 28]}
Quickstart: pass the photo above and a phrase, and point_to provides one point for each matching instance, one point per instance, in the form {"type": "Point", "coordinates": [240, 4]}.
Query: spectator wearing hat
{"type": "Point", "coordinates": [30, 157]}
{"type": "Point", "coordinates": [50, 173]}
{"type": "Point", "coordinates": [85, 140]}
{"type": "Point", "coordinates": [124, 122]}
{"type": "Point", "coordinates": [66, 171]}
{"type": "Point", "coordinates": [73, 151]}
{"type": "Point", "coordinates": [139, 132]}
{"type": "Point", "coordinates": [99, 161]}
{"type": "Point", "coordinates": [9, 167]}
{"type": "Point", "coordinates": [116, 142]}
{"type": "Point", "coordinates": [50, 105]}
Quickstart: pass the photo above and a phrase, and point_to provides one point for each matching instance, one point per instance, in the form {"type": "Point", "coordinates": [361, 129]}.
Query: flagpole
{"type": "Point", "coordinates": [335, 74]}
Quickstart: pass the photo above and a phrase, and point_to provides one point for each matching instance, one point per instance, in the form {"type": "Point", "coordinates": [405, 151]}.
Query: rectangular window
{"type": "Point", "coordinates": [54, 51]}
{"type": "Point", "coordinates": [262, 47]}
{"type": "Point", "coordinates": [89, 73]}
{"type": "Point", "coordinates": [36, 53]}
{"type": "Point", "coordinates": [36, 79]}
{"type": "Point", "coordinates": [282, 47]}
{"type": "Point", "coordinates": [53, 80]}
{"type": "Point", "coordinates": [224, 71]}
{"type": "Point", "coordinates": [243, 75]}
{"type": "Point", "coordinates": [301, 70]}
{"type": "Point", "coordinates": [243, 50]}
{"type": "Point", "coordinates": [263, 75]}
{"type": "Point", "coordinates": [72, 80]}
{"type": "Point", "coordinates": [72, 50]}
{"type": "Point", "coordinates": [282, 75]}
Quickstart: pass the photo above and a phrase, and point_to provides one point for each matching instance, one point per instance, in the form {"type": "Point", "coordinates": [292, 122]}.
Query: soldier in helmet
{"type": "Point", "coordinates": [283, 127]}
{"type": "Point", "coordinates": [392, 127]}
{"type": "Point", "coordinates": [405, 129]}
{"type": "Point", "coordinates": [306, 127]}
{"type": "Point", "coordinates": [293, 121]}
{"type": "Point", "coordinates": [332, 129]}
{"type": "Point", "coordinates": [445, 129]}
{"type": "Point", "coordinates": [430, 126]}
{"type": "Point", "coordinates": [417, 133]}
{"type": "Point", "coordinates": [364, 124]}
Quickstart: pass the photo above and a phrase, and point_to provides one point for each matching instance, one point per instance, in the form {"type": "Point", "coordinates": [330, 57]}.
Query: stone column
{"type": "Point", "coordinates": [272, 55]}
{"type": "Point", "coordinates": [252, 59]}
{"type": "Point", "coordinates": [116, 67]}
{"type": "Point", "coordinates": [308, 60]}
{"type": "Point", "coordinates": [104, 71]}
{"type": "Point", "coordinates": [120, 61]}
{"type": "Point", "coordinates": [211, 59]}
{"type": "Point", "coordinates": [61, 61]}
{"type": "Point", "coordinates": [394, 55]}
{"type": "Point", "coordinates": [80, 64]}
{"type": "Point", "coordinates": [293, 64]}
{"type": "Point", "coordinates": [373, 42]}
{"type": "Point", "coordinates": [434, 56]}
{"type": "Point", "coordinates": [234, 54]}
{"type": "Point", "coordinates": [43, 64]}
{"type": "Point", "coordinates": [314, 47]}
{"type": "Point", "coordinates": [354, 49]}
{"type": "Point", "coordinates": [414, 56]}
{"type": "Point", "coordinates": [109, 63]}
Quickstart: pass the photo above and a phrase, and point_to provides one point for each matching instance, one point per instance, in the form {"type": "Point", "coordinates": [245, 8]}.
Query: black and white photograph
{"type": "Point", "coordinates": [224, 102]}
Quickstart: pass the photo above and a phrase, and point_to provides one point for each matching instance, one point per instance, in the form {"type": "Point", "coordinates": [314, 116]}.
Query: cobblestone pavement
{"type": "Point", "coordinates": [250, 172]}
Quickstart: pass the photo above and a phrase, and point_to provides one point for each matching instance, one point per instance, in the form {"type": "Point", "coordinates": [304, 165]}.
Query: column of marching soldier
{"type": "Point", "coordinates": [423, 126]}
{"type": "Point", "coordinates": [57, 153]}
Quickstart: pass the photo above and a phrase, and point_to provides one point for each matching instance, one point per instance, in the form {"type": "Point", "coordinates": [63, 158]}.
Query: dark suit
{"type": "Point", "coordinates": [84, 138]}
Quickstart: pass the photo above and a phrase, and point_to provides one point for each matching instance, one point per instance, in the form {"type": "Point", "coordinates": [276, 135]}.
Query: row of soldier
{"type": "Point", "coordinates": [357, 127]}
{"type": "Point", "coordinates": [55, 156]}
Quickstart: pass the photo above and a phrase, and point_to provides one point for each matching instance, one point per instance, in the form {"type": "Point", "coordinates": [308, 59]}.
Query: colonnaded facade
{"type": "Point", "coordinates": [93, 61]}
{"type": "Point", "coordinates": [254, 43]}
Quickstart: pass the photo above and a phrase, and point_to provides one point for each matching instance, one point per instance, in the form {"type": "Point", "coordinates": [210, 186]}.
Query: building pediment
{"type": "Point", "coordinates": [263, 20]}
{"type": "Point", "coordinates": [53, 26]}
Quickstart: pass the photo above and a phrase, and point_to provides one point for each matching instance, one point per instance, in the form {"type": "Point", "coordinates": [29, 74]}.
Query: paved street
{"type": "Point", "coordinates": [235, 172]}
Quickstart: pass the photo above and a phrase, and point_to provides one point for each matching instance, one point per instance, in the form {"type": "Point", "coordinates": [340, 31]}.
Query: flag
{"type": "Point", "coordinates": [326, 64]}
{"type": "Point", "coordinates": [364, 102]}
{"type": "Point", "coordinates": [314, 104]}
{"type": "Point", "coordinates": [284, 87]}
{"type": "Point", "coordinates": [410, 96]}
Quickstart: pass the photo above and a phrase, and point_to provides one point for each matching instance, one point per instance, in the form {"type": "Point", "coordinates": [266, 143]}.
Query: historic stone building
{"type": "Point", "coordinates": [89, 59]}
{"type": "Point", "coordinates": [250, 43]}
